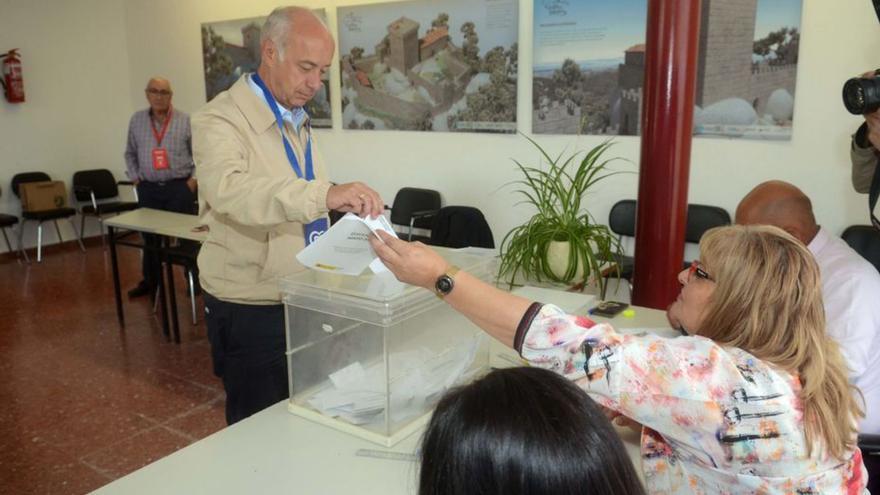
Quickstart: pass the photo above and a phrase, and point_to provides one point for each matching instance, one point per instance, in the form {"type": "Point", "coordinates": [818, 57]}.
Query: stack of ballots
{"type": "Point", "coordinates": [357, 394]}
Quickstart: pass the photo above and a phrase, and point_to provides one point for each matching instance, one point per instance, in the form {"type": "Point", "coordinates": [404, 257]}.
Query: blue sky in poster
{"type": "Point", "coordinates": [586, 29]}
{"type": "Point", "coordinates": [774, 14]}
{"type": "Point", "coordinates": [496, 21]}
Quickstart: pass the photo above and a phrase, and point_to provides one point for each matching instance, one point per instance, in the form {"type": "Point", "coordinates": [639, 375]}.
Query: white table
{"type": "Point", "coordinates": [167, 225]}
{"type": "Point", "coordinates": [277, 452]}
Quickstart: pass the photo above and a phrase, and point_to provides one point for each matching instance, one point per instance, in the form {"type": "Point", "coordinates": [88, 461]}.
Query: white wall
{"type": "Point", "coordinates": [162, 37]}
{"type": "Point", "coordinates": [76, 76]}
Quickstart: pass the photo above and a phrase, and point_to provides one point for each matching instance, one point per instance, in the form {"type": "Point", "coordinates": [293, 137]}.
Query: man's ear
{"type": "Point", "coordinates": [268, 53]}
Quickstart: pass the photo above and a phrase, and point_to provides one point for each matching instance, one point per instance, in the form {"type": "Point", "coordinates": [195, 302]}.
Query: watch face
{"type": "Point", "coordinates": [444, 284]}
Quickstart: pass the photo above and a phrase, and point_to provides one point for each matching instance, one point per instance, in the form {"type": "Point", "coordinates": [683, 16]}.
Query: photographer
{"type": "Point", "coordinates": [861, 96]}
{"type": "Point", "coordinates": [864, 150]}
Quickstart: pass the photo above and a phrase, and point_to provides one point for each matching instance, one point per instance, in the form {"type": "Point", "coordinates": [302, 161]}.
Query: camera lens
{"type": "Point", "coordinates": [861, 95]}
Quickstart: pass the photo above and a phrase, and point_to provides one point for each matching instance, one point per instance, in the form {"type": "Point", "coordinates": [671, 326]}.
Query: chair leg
{"type": "Point", "coordinates": [21, 242]}
{"type": "Point", "coordinates": [101, 230]}
{"type": "Point", "coordinates": [156, 301]}
{"type": "Point", "coordinates": [82, 226]}
{"type": "Point", "coordinates": [58, 231]}
{"type": "Point", "coordinates": [78, 236]}
{"type": "Point", "coordinates": [8, 246]}
{"type": "Point", "coordinates": [192, 296]}
{"type": "Point", "coordinates": [40, 242]}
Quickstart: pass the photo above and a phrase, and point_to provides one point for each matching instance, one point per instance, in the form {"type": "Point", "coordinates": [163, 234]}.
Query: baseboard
{"type": "Point", "coordinates": [50, 249]}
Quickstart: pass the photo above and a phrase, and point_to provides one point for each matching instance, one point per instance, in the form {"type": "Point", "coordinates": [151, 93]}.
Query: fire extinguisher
{"type": "Point", "coordinates": [13, 84]}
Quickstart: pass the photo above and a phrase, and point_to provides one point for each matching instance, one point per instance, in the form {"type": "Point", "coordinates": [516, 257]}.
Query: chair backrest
{"type": "Point", "coordinates": [26, 177]}
{"type": "Point", "coordinates": [100, 181]}
{"type": "Point", "coordinates": [622, 219]}
{"type": "Point", "coordinates": [461, 226]}
{"type": "Point", "coordinates": [412, 199]}
{"type": "Point", "coordinates": [701, 218]}
{"type": "Point", "coordinates": [865, 240]}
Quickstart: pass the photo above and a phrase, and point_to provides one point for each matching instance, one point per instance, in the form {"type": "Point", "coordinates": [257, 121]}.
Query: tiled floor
{"type": "Point", "coordinates": [82, 403]}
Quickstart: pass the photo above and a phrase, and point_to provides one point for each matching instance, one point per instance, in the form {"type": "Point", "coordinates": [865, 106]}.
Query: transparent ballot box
{"type": "Point", "coordinates": [371, 356]}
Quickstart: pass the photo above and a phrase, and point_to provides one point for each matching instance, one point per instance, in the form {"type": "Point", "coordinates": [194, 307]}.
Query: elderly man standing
{"type": "Point", "coordinates": [850, 285]}
{"type": "Point", "coordinates": [158, 160]}
{"type": "Point", "coordinates": [264, 196]}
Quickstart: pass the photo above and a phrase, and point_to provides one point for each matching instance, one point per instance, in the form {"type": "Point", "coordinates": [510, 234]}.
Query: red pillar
{"type": "Point", "coordinates": [667, 126]}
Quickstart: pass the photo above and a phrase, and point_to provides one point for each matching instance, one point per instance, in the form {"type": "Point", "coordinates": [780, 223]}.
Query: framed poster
{"type": "Point", "coordinates": [232, 48]}
{"type": "Point", "coordinates": [589, 65]}
{"type": "Point", "coordinates": [747, 68]}
{"type": "Point", "coordinates": [429, 66]}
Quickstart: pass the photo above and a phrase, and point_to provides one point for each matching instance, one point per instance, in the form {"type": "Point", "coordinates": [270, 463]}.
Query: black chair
{"type": "Point", "coordinates": [622, 221]}
{"type": "Point", "coordinates": [870, 447]}
{"type": "Point", "coordinates": [99, 191]}
{"type": "Point", "coordinates": [701, 218]}
{"type": "Point", "coordinates": [865, 240]}
{"type": "Point", "coordinates": [461, 226]}
{"type": "Point", "coordinates": [6, 222]}
{"type": "Point", "coordinates": [185, 255]}
{"type": "Point", "coordinates": [414, 208]}
{"type": "Point", "coordinates": [42, 216]}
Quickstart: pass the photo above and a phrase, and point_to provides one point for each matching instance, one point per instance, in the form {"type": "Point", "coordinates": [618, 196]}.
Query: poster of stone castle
{"type": "Point", "coordinates": [589, 64]}
{"type": "Point", "coordinates": [232, 48]}
{"type": "Point", "coordinates": [747, 68]}
{"type": "Point", "coordinates": [429, 66]}
{"type": "Point", "coordinates": [589, 58]}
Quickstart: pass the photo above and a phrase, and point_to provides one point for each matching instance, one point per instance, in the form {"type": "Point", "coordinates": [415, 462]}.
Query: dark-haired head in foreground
{"type": "Point", "coordinates": [521, 431]}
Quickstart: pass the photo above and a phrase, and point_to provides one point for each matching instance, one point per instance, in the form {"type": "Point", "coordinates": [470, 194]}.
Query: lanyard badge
{"type": "Point", "coordinates": [314, 229]}
{"type": "Point", "coordinates": [160, 154]}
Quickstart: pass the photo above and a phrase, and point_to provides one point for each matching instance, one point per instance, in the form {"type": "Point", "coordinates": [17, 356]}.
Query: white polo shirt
{"type": "Point", "coordinates": [851, 292]}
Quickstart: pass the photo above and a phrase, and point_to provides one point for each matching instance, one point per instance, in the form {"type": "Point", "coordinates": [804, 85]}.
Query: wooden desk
{"type": "Point", "coordinates": [166, 225]}
{"type": "Point", "coordinates": [275, 451]}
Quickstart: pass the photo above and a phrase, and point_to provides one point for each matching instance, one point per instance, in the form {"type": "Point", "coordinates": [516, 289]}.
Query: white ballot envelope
{"type": "Point", "coordinates": [345, 247]}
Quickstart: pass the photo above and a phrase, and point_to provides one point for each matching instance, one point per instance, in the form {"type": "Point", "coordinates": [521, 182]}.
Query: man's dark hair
{"type": "Point", "coordinates": [523, 431]}
{"type": "Point", "coordinates": [876, 8]}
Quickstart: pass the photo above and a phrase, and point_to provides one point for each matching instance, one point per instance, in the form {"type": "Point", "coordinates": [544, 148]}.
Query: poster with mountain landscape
{"type": "Point", "coordinates": [589, 63]}
{"type": "Point", "coordinates": [429, 66]}
{"type": "Point", "coordinates": [232, 48]}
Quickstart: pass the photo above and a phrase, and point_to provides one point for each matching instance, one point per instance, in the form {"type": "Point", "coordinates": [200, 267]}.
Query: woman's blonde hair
{"type": "Point", "coordinates": [768, 301]}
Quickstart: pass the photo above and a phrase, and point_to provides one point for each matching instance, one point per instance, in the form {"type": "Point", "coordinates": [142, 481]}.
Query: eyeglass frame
{"type": "Point", "coordinates": [158, 92]}
{"type": "Point", "coordinates": [695, 269]}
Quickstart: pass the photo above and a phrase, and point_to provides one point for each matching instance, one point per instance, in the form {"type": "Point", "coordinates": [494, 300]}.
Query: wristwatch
{"type": "Point", "coordinates": [446, 282]}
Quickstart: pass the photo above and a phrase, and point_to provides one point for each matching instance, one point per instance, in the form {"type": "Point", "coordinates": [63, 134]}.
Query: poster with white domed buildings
{"type": "Point", "coordinates": [747, 68]}
{"type": "Point", "coordinates": [589, 58]}
{"type": "Point", "coordinates": [429, 66]}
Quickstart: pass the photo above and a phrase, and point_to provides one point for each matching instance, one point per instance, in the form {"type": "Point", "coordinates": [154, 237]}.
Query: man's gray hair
{"type": "Point", "coordinates": [279, 24]}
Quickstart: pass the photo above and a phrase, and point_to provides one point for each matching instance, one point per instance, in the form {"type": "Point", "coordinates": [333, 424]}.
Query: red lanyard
{"type": "Point", "coordinates": [161, 135]}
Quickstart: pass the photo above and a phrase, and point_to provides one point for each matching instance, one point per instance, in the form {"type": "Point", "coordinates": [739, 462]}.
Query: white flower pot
{"type": "Point", "coordinates": [557, 258]}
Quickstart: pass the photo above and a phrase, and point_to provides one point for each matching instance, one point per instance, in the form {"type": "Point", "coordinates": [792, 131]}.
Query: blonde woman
{"type": "Point", "coordinates": [755, 400]}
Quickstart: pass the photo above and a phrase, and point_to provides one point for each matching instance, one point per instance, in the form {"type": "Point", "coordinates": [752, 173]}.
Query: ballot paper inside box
{"type": "Point", "coordinates": [371, 356]}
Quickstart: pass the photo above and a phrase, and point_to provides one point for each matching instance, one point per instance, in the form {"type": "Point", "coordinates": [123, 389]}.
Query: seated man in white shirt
{"type": "Point", "coordinates": [850, 285]}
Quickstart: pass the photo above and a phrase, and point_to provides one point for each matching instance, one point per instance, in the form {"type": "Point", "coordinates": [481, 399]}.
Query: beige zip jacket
{"type": "Point", "coordinates": [250, 198]}
{"type": "Point", "coordinates": [864, 161]}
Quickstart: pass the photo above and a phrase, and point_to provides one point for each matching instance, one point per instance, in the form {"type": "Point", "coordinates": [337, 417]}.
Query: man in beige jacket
{"type": "Point", "coordinates": [263, 192]}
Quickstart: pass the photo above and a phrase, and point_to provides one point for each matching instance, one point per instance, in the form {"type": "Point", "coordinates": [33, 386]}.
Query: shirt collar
{"type": "Point", "coordinates": [295, 117]}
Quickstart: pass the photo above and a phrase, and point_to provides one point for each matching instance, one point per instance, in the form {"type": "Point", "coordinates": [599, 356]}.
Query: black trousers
{"type": "Point", "coordinates": [173, 195]}
{"type": "Point", "coordinates": [248, 351]}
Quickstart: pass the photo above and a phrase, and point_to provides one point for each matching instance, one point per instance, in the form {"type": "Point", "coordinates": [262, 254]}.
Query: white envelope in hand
{"type": "Point", "coordinates": [345, 247]}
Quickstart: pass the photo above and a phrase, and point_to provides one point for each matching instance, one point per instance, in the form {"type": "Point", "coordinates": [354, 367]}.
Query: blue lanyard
{"type": "Point", "coordinates": [291, 156]}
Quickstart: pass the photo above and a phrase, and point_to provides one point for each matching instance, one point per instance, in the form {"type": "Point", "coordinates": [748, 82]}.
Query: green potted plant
{"type": "Point", "coordinates": [561, 242]}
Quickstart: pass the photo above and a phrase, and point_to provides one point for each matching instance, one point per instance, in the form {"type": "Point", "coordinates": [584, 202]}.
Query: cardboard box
{"type": "Point", "coordinates": [42, 196]}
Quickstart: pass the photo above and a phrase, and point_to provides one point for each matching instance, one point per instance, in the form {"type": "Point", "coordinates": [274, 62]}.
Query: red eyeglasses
{"type": "Point", "coordinates": [697, 269]}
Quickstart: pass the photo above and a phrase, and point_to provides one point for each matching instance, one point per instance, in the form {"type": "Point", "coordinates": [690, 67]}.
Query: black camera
{"type": "Point", "coordinates": [862, 94]}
